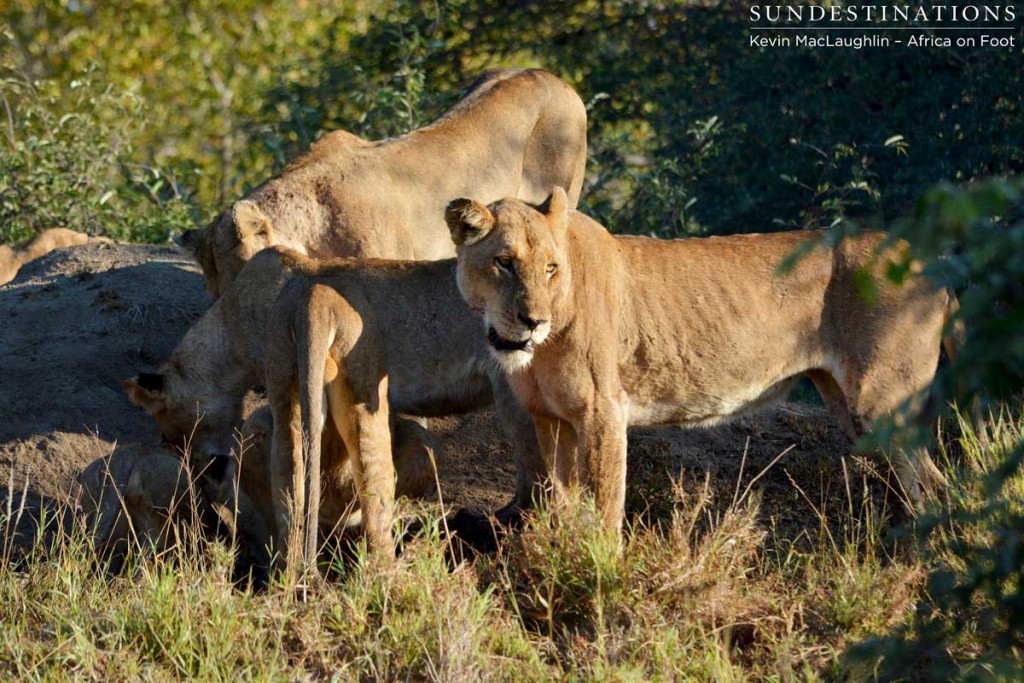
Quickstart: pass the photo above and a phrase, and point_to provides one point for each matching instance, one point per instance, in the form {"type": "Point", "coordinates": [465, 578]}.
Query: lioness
{"type": "Point", "coordinates": [196, 396]}
{"type": "Point", "coordinates": [598, 332]}
{"type": "Point", "coordinates": [11, 260]}
{"type": "Point", "coordinates": [363, 335]}
{"type": "Point", "coordinates": [150, 498]}
{"type": "Point", "coordinates": [517, 132]}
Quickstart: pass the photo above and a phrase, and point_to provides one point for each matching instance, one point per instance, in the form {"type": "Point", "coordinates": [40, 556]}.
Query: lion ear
{"type": "Point", "coordinates": [251, 224]}
{"type": "Point", "coordinates": [146, 390]}
{"type": "Point", "coordinates": [556, 209]}
{"type": "Point", "coordinates": [468, 221]}
{"type": "Point", "coordinates": [135, 489]}
{"type": "Point", "coordinates": [188, 240]}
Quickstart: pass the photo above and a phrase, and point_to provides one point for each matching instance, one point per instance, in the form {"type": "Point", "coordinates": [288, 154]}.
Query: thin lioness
{"type": "Point", "coordinates": [599, 332]}
{"type": "Point", "coordinates": [196, 397]}
{"type": "Point", "coordinates": [516, 133]}
{"type": "Point", "coordinates": [366, 334]}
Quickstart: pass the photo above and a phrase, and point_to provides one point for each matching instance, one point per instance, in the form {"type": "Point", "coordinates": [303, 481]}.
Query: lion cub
{"type": "Point", "coordinates": [599, 332]}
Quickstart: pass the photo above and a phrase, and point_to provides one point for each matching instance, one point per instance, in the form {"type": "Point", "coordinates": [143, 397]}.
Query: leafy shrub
{"type": "Point", "coordinates": [66, 162]}
{"type": "Point", "coordinates": [972, 238]}
{"type": "Point", "coordinates": [374, 85]}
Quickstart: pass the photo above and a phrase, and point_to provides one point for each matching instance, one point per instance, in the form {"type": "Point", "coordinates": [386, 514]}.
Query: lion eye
{"type": "Point", "coordinates": [552, 267]}
{"type": "Point", "coordinates": [504, 262]}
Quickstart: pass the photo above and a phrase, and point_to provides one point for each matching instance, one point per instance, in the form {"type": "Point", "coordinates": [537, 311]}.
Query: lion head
{"type": "Point", "coordinates": [228, 242]}
{"type": "Point", "coordinates": [189, 418]}
{"type": "Point", "coordinates": [133, 498]}
{"type": "Point", "coordinates": [197, 396]}
{"type": "Point", "coordinates": [513, 268]}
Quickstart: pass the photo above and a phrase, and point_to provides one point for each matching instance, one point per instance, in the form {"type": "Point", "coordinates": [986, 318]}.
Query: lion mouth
{"type": "Point", "coordinates": [499, 343]}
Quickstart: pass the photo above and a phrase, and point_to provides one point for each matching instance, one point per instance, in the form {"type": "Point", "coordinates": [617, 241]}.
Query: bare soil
{"type": "Point", "coordinates": [79, 321]}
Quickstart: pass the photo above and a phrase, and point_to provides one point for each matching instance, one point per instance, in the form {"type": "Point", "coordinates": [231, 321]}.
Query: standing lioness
{"type": "Point", "coordinates": [599, 332]}
{"type": "Point", "coordinates": [516, 133]}
{"type": "Point", "coordinates": [346, 340]}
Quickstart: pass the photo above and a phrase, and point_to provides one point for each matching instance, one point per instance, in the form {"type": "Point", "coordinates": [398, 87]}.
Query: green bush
{"type": "Point", "coordinates": [688, 135]}
{"type": "Point", "coordinates": [972, 239]}
{"type": "Point", "coordinates": [67, 162]}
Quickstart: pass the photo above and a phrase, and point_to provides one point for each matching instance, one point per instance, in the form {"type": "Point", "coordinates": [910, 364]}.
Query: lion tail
{"type": "Point", "coordinates": [313, 338]}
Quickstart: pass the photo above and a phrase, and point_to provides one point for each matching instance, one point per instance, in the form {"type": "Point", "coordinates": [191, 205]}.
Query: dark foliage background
{"type": "Point", "coordinates": [692, 129]}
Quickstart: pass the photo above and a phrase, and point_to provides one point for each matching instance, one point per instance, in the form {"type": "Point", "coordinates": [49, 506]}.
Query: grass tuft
{"type": "Point", "coordinates": [714, 588]}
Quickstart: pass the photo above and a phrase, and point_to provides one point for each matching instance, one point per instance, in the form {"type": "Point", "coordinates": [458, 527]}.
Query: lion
{"type": "Point", "coordinates": [149, 498]}
{"type": "Point", "coordinates": [197, 396]}
{"type": "Point", "coordinates": [517, 132]}
{"type": "Point", "coordinates": [347, 341]}
{"type": "Point", "coordinates": [137, 497]}
{"type": "Point", "coordinates": [597, 332]}
{"type": "Point", "coordinates": [11, 260]}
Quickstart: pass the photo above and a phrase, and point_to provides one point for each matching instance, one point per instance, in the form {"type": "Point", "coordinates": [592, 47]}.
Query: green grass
{"type": "Point", "coordinates": [712, 591]}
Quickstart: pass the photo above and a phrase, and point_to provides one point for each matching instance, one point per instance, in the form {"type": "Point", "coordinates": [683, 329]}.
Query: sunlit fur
{"type": "Point", "coordinates": [515, 133]}
{"type": "Point", "coordinates": [511, 276]}
{"type": "Point", "coordinates": [11, 260]}
{"type": "Point", "coordinates": [201, 387]}
{"type": "Point", "coordinates": [693, 331]}
{"type": "Point", "coordinates": [350, 340]}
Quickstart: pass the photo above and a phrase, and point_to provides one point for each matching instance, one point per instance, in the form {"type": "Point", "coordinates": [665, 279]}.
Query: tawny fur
{"type": "Point", "coordinates": [11, 260]}
{"type": "Point", "coordinates": [516, 133]}
{"type": "Point", "coordinates": [367, 335]}
{"type": "Point", "coordinates": [138, 497]}
{"type": "Point", "coordinates": [638, 331]}
{"type": "Point", "coordinates": [196, 397]}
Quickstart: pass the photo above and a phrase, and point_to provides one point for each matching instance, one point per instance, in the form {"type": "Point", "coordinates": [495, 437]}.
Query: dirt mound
{"type": "Point", "coordinates": [77, 322]}
{"type": "Point", "coordinates": [73, 326]}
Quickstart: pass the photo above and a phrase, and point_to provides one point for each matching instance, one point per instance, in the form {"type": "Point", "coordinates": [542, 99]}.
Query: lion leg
{"type": "Point", "coordinates": [250, 493]}
{"type": "Point", "coordinates": [832, 394]}
{"type": "Point", "coordinates": [872, 396]}
{"type": "Point", "coordinates": [557, 441]}
{"type": "Point", "coordinates": [416, 454]}
{"type": "Point", "coordinates": [359, 408]}
{"type": "Point", "coordinates": [917, 472]}
{"type": "Point", "coordinates": [250, 533]}
{"type": "Point", "coordinates": [253, 455]}
{"type": "Point", "coordinates": [531, 469]}
{"type": "Point", "coordinates": [287, 475]}
{"type": "Point", "coordinates": [852, 427]}
{"type": "Point", "coordinates": [602, 444]}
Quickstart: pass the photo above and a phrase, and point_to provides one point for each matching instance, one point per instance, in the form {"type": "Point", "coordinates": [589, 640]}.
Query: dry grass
{"type": "Point", "coordinates": [715, 589]}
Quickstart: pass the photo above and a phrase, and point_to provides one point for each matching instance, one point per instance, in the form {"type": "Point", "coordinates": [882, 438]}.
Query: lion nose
{"type": "Point", "coordinates": [530, 322]}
